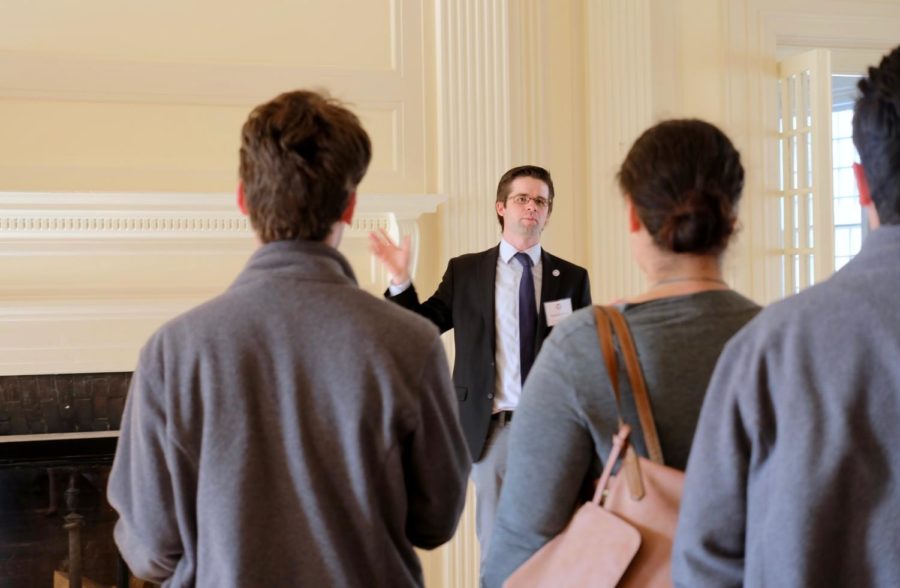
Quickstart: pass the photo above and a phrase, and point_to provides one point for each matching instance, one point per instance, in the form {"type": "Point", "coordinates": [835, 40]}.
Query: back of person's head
{"type": "Point", "coordinates": [302, 155]}
{"type": "Point", "coordinates": [684, 179]}
{"type": "Point", "coordinates": [523, 171]}
{"type": "Point", "coordinates": [876, 134]}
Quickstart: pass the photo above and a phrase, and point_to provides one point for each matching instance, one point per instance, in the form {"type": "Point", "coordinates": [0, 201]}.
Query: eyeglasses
{"type": "Point", "coordinates": [522, 200]}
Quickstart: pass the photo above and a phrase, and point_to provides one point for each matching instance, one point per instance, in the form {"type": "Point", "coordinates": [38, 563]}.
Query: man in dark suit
{"type": "Point", "coordinates": [496, 336]}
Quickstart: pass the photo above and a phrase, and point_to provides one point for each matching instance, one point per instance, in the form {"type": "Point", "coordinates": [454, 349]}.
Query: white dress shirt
{"type": "Point", "coordinates": [508, 373]}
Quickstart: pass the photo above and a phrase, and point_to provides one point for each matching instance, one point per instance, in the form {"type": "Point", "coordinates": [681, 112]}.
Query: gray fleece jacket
{"type": "Point", "coordinates": [794, 477]}
{"type": "Point", "coordinates": [294, 431]}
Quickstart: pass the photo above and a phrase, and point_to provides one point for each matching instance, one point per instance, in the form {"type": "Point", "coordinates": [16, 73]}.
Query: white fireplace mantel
{"type": "Point", "coordinates": [85, 278]}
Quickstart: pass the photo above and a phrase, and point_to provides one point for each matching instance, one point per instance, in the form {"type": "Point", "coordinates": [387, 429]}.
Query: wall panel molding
{"type": "Point", "coordinates": [391, 102]}
{"type": "Point", "coordinates": [95, 79]}
{"type": "Point", "coordinates": [474, 149]}
{"type": "Point", "coordinates": [620, 91]}
{"type": "Point", "coordinates": [528, 42]}
{"type": "Point", "coordinates": [548, 110]}
{"type": "Point", "coordinates": [474, 118]}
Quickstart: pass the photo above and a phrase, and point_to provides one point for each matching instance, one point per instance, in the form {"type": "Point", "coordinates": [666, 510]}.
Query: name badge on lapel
{"type": "Point", "coordinates": [557, 310]}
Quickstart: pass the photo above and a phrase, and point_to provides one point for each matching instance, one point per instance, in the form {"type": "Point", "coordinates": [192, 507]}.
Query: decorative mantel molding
{"type": "Point", "coordinates": [85, 215]}
{"type": "Point", "coordinates": [86, 277]}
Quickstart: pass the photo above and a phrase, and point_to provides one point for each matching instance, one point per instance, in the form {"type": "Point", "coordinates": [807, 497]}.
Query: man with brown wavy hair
{"type": "Point", "coordinates": [295, 430]}
{"type": "Point", "coordinates": [302, 156]}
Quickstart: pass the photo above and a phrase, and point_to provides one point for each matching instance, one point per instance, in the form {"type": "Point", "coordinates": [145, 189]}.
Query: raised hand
{"type": "Point", "coordinates": [395, 258]}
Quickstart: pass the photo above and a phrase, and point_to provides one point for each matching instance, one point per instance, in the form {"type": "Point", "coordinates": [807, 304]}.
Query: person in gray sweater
{"type": "Point", "coordinates": [794, 479]}
{"type": "Point", "coordinates": [682, 181]}
{"type": "Point", "coordinates": [295, 430]}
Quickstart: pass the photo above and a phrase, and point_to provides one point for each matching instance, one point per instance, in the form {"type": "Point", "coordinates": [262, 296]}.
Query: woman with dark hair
{"type": "Point", "coordinates": [682, 180]}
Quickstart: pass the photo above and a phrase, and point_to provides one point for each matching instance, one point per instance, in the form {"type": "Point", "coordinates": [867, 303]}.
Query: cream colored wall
{"type": "Point", "coordinates": [134, 99]}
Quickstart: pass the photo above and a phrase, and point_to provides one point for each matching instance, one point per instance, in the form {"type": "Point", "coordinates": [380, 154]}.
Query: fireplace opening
{"type": "Point", "coordinates": [58, 436]}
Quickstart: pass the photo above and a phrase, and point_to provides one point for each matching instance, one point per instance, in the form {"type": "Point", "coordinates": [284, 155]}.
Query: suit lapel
{"type": "Point", "coordinates": [549, 281]}
{"type": "Point", "coordinates": [550, 285]}
{"type": "Point", "coordinates": [487, 282]}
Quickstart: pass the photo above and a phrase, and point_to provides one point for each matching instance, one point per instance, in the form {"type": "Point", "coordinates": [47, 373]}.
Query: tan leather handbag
{"type": "Point", "coordinates": [623, 537]}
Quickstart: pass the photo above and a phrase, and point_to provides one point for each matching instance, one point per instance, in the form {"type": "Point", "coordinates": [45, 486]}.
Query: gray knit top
{"type": "Point", "coordinates": [565, 421]}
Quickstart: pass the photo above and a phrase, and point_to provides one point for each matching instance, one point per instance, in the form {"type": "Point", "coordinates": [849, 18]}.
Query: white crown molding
{"type": "Point", "coordinates": [403, 206]}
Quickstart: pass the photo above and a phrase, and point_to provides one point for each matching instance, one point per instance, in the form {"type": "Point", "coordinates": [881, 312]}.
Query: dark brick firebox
{"type": "Point", "coordinates": [65, 403]}
{"type": "Point", "coordinates": [45, 477]}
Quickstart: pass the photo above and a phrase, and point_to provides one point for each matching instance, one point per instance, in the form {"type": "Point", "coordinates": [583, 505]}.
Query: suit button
{"type": "Point", "coordinates": [490, 396]}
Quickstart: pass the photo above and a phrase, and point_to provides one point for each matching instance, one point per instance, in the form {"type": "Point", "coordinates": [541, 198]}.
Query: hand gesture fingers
{"type": "Point", "coordinates": [395, 258]}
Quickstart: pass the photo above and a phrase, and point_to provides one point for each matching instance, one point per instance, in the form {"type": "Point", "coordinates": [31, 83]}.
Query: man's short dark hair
{"type": "Point", "coordinates": [302, 154]}
{"type": "Point", "coordinates": [528, 171]}
{"type": "Point", "coordinates": [876, 134]}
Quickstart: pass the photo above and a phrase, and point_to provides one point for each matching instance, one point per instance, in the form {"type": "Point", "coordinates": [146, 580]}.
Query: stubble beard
{"type": "Point", "coordinates": [524, 230]}
{"type": "Point", "coordinates": [529, 229]}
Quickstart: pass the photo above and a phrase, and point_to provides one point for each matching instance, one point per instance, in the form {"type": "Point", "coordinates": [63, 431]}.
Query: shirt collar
{"type": "Point", "coordinates": [507, 252]}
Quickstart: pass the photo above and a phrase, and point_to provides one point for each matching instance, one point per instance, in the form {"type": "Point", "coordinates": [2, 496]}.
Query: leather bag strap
{"type": "Point", "coordinates": [630, 465]}
{"type": "Point", "coordinates": [604, 334]}
{"type": "Point", "coordinates": [609, 315]}
{"type": "Point", "coordinates": [638, 385]}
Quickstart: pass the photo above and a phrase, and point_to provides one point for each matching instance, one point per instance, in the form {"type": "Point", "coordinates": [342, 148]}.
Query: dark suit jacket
{"type": "Point", "coordinates": [465, 302]}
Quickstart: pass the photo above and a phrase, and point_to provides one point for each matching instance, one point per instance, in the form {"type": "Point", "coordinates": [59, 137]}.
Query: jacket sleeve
{"type": "Point", "coordinates": [709, 544]}
{"type": "Point", "coordinates": [550, 454]}
{"type": "Point", "coordinates": [438, 309]}
{"type": "Point", "coordinates": [140, 483]}
{"type": "Point", "coordinates": [436, 458]}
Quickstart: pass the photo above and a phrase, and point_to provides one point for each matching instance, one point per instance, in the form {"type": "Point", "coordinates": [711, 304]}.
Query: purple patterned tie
{"type": "Point", "coordinates": [527, 316]}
